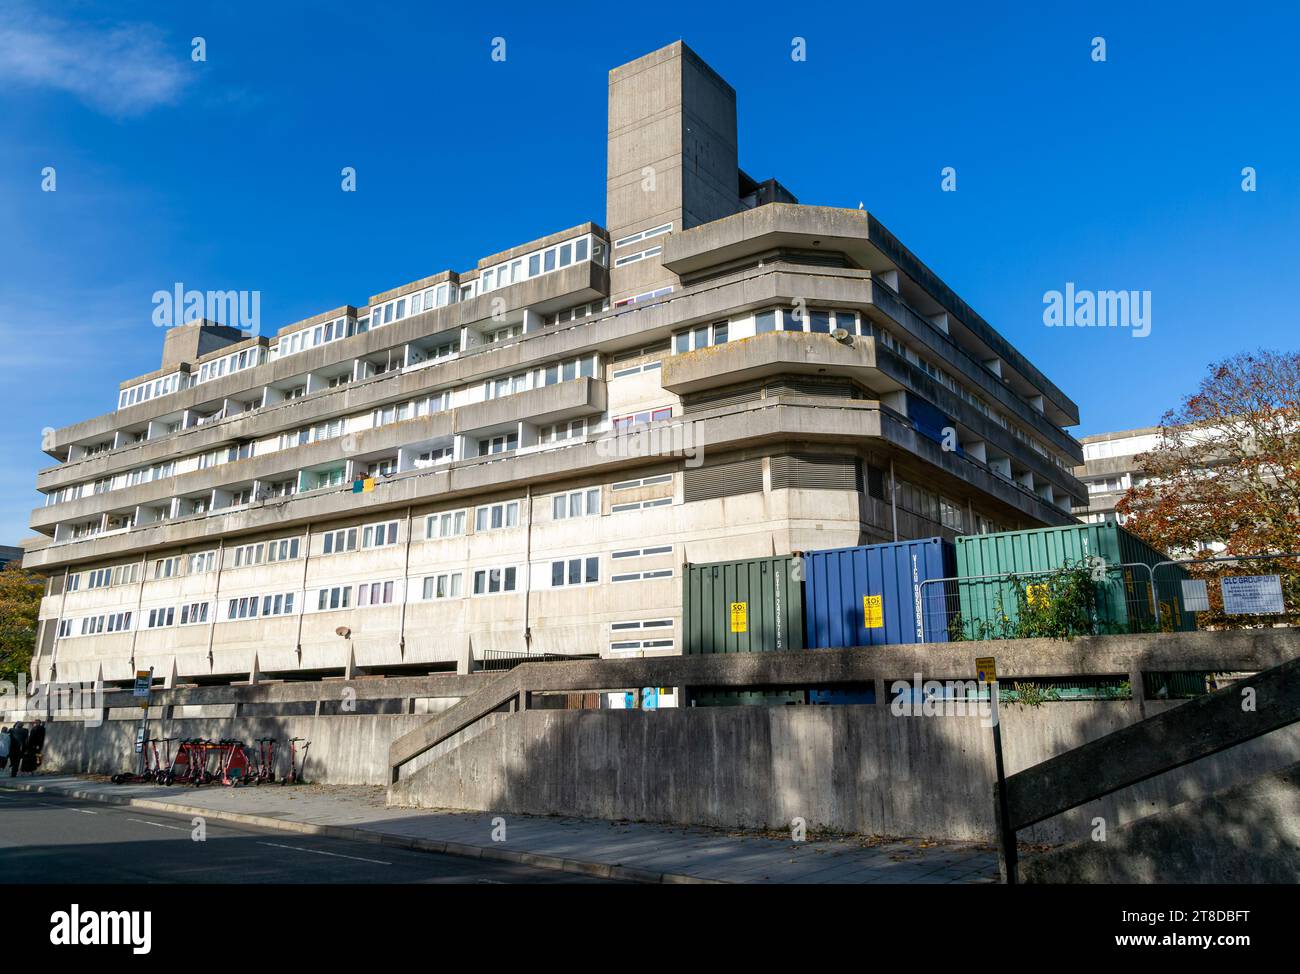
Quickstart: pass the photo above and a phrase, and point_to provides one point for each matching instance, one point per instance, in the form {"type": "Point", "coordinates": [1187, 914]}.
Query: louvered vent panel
{"type": "Point", "coordinates": [724, 479]}
{"type": "Point", "coordinates": [712, 400]}
{"type": "Point", "coordinates": [814, 472]}
{"type": "Point", "coordinates": [793, 387]}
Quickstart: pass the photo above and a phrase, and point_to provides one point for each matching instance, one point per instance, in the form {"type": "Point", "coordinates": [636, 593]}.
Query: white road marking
{"type": "Point", "coordinates": [158, 825]}
{"type": "Point", "coordinates": [319, 852]}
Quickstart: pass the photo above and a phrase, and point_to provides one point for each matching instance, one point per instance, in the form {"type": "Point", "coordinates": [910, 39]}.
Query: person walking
{"type": "Point", "coordinates": [35, 743]}
{"type": "Point", "coordinates": [17, 745]}
{"type": "Point", "coordinates": [4, 747]}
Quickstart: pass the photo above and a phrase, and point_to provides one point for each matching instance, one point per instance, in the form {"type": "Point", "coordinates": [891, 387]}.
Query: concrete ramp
{"type": "Point", "coordinates": [1246, 834]}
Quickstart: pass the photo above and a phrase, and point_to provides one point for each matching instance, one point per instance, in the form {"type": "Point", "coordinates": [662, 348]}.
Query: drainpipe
{"type": "Point", "coordinates": [528, 564]}
{"type": "Point", "coordinates": [216, 598]}
{"type": "Point", "coordinates": [139, 601]}
{"type": "Point", "coordinates": [58, 626]}
{"type": "Point", "coordinates": [893, 496]}
{"type": "Point", "coordinates": [406, 588]}
{"type": "Point", "coordinates": [302, 607]}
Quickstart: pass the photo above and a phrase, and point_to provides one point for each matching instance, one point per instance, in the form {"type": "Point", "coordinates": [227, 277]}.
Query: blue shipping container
{"type": "Point", "coordinates": [838, 582]}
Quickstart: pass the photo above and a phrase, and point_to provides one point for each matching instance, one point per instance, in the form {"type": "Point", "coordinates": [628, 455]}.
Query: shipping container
{"type": "Point", "coordinates": [872, 595]}
{"type": "Point", "coordinates": [989, 607]}
{"type": "Point", "coordinates": [750, 606]}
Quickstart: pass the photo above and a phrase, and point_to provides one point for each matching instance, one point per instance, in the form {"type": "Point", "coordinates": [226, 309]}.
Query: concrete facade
{"type": "Point", "coordinates": [544, 439]}
{"type": "Point", "coordinates": [880, 769]}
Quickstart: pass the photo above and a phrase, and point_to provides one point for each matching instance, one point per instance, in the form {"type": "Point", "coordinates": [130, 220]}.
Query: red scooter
{"type": "Point", "coordinates": [296, 775]}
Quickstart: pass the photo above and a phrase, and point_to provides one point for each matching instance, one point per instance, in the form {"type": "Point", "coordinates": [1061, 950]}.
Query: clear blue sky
{"type": "Point", "coordinates": [225, 174]}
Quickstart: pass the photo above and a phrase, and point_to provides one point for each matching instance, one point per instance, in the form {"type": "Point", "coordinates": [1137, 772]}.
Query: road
{"type": "Point", "coordinates": [54, 839]}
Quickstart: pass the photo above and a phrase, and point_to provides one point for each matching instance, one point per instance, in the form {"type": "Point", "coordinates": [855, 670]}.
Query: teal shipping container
{"type": "Point", "coordinates": [989, 607]}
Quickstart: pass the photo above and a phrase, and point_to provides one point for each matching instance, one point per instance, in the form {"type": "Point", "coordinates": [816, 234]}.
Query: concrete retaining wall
{"type": "Point", "coordinates": [345, 750]}
{"type": "Point", "coordinates": [1248, 834]}
{"type": "Point", "coordinates": [858, 769]}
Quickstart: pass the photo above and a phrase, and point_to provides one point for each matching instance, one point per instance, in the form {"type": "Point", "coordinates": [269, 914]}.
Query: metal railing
{"type": "Point", "coordinates": [979, 607]}
{"type": "Point", "coordinates": [496, 660]}
{"type": "Point", "coordinates": [1178, 737]}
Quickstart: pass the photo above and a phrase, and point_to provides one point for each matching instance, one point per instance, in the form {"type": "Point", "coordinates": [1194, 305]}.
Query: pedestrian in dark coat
{"type": "Point", "coordinates": [4, 747]}
{"type": "Point", "coordinates": [35, 742]}
{"type": "Point", "coordinates": [17, 747]}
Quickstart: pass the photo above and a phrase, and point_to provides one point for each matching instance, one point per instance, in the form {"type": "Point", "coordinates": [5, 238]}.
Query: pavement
{"type": "Point", "coordinates": [624, 851]}
{"type": "Point", "coordinates": [56, 839]}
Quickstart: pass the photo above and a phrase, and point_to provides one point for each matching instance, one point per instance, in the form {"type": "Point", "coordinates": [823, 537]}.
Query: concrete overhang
{"type": "Point", "coordinates": [879, 369]}
{"type": "Point", "coordinates": [867, 243]}
{"type": "Point", "coordinates": [793, 420]}
{"type": "Point", "coordinates": [774, 353]}
{"type": "Point", "coordinates": [569, 286]}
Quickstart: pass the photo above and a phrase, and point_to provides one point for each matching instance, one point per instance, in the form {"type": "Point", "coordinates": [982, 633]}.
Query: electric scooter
{"type": "Point", "coordinates": [296, 776]}
{"type": "Point", "coordinates": [264, 761]}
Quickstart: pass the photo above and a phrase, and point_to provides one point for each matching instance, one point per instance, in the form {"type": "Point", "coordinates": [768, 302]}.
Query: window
{"type": "Point", "coordinates": [490, 581]}
{"type": "Point", "coordinates": [161, 617]}
{"type": "Point", "coordinates": [286, 549]}
{"type": "Point", "coordinates": [498, 444]}
{"type": "Point", "coordinates": [201, 562]}
{"type": "Point", "coordinates": [633, 420]}
{"type": "Point", "coordinates": [559, 432]}
{"type": "Point", "coordinates": [242, 608]}
{"type": "Point", "coordinates": [578, 503]}
{"type": "Point", "coordinates": [99, 578]}
{"type": "Point", "coordinates": [637, 369]}
{"type": "Point", "coordinates": [338, 597]}
{"type": "Point", "coordinates": [639, 505]}
{"type": "Point", "coordinates": [665, 549]}
{"type": "Point", "coordinates": [120, 621]}
{"type": "Point", "coordinates": [246, 555]}
{"type": "Point", "coordinates": [167, 567]}
{"type": "Point", "coordinates": [126, 574]}
{"type": "Point", "coordinates": [374, 593]}
{"type": "Point", "coordinates": [644, 481]}
{"type": "Point", "coordinates": [638, 256]}
{"type": "Point", "coordinates": [640, 576]}
{"type": "Point", "coordinates": [701, 336]}
{"type": "Point", "coordinates": [643, 235]}
{"type": "Point", "coordinates": [575, 571]}
{"type": "Point", "coordinates": [194, 613]}
{"type": "Point", "coordinates": [497, 516]}
{"type": "Point", "coordinates": [446, 586]}
{"type": "Point", "coordinates": [337, 542]}
{"type": "Point", "coordinates": [448, 524]}
{"type": "Point", "coordinates": [632, 634]}
{"type": "Point", "coordinates": [379, 535]}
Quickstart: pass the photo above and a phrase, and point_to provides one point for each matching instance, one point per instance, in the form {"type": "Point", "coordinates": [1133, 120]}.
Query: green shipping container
{"type": "Point", "coordinates": [750, 606]}
{"type": "Point", "coordinates": [1123, 598]}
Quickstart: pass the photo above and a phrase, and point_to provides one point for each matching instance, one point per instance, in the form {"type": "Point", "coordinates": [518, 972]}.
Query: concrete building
{"type": "Point", "coordinates": [1110, 468]}
{"type": "Point", "coordinates": [540, 442]}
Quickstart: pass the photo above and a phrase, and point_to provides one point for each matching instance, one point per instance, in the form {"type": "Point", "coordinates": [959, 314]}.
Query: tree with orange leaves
{"type": "Point", "coordinates": [1226, 474]}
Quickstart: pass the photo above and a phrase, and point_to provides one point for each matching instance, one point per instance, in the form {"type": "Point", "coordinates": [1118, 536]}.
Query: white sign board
{"type": "Point", "coordinates": [1252, 595]}
{"type": "Point", "coordinates": [1196, 598]}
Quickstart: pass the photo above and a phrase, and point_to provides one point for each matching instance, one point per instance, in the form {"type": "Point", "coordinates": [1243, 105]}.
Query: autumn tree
{"type": "Point", "coordinates": [1225, 474]}
{"type": "Point", "coordinates": [20, 604]}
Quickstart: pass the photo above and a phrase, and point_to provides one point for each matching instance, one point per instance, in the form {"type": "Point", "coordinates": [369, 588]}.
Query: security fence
{"type": "Point", "coordinates": [1093, 599]}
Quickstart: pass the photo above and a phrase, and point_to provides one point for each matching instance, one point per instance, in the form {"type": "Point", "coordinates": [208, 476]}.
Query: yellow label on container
{"type": "Point", "coordinates": [740, 617]}
{"type": "Point", "coordinates": [873, 612]}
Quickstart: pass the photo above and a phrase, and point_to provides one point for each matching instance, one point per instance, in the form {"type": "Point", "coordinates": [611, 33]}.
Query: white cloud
{"type": "Point", "coordinates": [120, 70]}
